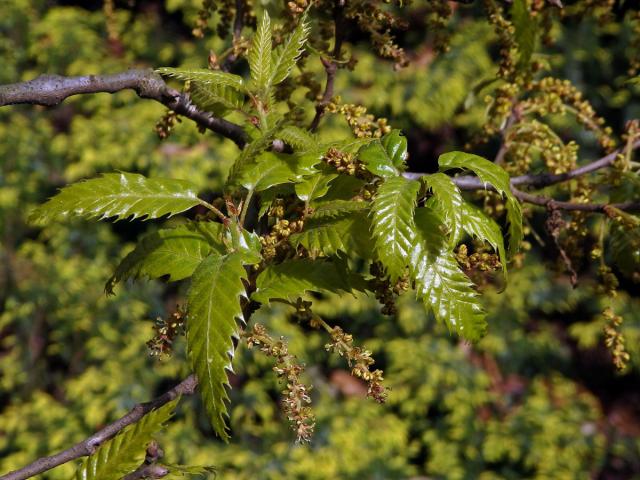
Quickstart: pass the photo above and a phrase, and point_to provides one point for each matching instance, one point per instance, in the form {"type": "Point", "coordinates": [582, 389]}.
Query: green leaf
{"type": "Point", "coordinates": [218, 99]}
{"type": "Point", "coordinates": [211, 90]}
{"type": "Point", "coordinates": [492, 174]}
{"type": "Point", "coordinates": [487, 171]}
{"type": "Point", "coordinates": [393, 227]}
{"type": "Point", "coordinates": [526, 29]}
{"type": "Point", "coordinates": [243, 241]}
{"type": "Point", "coordinates": [248, 156]}
{"type": "Point", "coordinates": [351, 145]}
{"type": "Point", "coordinates": [203, 77]}
{"type": "Point", "coordinates": [268, 170]}
{"type": "Point", "coordinates": [385, 157]}
{"type": "Point", "coordinates": [313, 187]}
{"type": "Point", "coordinates": [259, 55]}
{"type": "Point", "coordinates": [213, 302]}
{"type": "Point", "coordinates": [481, 226]}
{"type": "Point", "coordinates": [326, 236]}
{"type": "Point", "coordinates": [447, 200]}
{"type": "Point", "coordinates": [125, 452]}
{"type": "Point", "coordinates": [286, 55]}
{"type": "Point", "coordinates": [298, 138]}
{"type": "Point", "coordinates": [439, 281]}
{"type": "Point", "coordinates": [291, 279]}
{"type": "Point", "coordinates": [181, 471]}
{"type": "Point", "coordinates": [323, 238]}
{"type": "Point", "coordinates": [304, 162]}
{"type": "Point", "coordinates": [514, 218]}
{"type": "Point", "coordinates": [338, 208]}
{"type": "Point", "coordinates": [119, 195]}
{"type": "Point", "coordinates": [175, 252]}
{"type": "Point", "coordinates": [625, 249]}
{"type": "Point", "coordinates": [345, 187]}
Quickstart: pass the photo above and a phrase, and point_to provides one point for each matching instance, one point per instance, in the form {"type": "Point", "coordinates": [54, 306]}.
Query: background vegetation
{"type": "Point", "coordinates": [538, 397]}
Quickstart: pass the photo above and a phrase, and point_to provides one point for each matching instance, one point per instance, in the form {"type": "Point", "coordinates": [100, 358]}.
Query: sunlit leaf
{"type": "Point", "coordinates": [494, 175]}
{"type": "Point", "coordinates": [385, 157]}
{"type": "Point", "coordinates": [218, 99]}
{"type": "Point", "coordinates": [174, 252]}
{"type": "Point", "coordinates": [447, 200]}
{"type": "Point", "coordinates": [268, 170]}
{"type": "Point", "coordinates": [213, 305]}
{"type": "Point", "coordinates": [337, 208]}
{"type": "Point", "coordinates": [298, 138]}
{"type": "Point", "coordinates": [481, 226]}
{"type": "Point", "coordinates": [392, 223]}
{"type": "Point", "coordinates": [293, 278]}
{"type": "Point", "coordinates": [313, 187]}
{"type": "Point", "coordinates": [121, 195]}
{"type": "Point", "coordinates": [439, 281]}
{"type": "Point", "coordinates": [286, 55]}
{"type": "Point", "coordinates": [326, 235]}
{"type": "Point", "coordinates": [203, 77]}
{"type": "Point", "coordinates": [259, 55]}
{"type": "Point", "coordinates": [247, 158]}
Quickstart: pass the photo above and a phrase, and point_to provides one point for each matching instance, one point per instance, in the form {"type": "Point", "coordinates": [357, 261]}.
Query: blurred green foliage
{"type": "Point", "coordinates": [537, 398]}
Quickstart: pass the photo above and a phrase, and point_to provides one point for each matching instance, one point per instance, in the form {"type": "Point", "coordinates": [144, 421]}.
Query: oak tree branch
{"type": "Point", "coordinates": [573, 206]}
{"type": "Point", "coordinates": [330, 65]}
{"type": "Point", "coordinates": [50, 90]}
{"type": "Point", "coordinates": [89, 445]}
{"type": "Point", "coordinates": [541, 180]}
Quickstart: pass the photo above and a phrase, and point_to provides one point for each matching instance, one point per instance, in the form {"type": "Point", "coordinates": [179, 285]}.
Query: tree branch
{"type": "Point", "coordinates": [581, 207]}
{"type": "Point", "coordinates": [238, 24]}
{"type": "Point", "coordinates": [150, 467]}
{"type": "Point", "coordinates": [541, 180]}
{"type": "Point", "coordinates": [50, 90]}
{"type": "Point", "coordinates": [330, 65]}
{"type": "Point", "coordinates": [89, 445]}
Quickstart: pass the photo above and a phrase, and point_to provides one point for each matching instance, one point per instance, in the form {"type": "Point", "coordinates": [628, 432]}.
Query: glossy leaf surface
{"type": "Point", "coordinates": [326, 236]}
{"type": "Point", "coordinates": [496, 176]}
{"type": "Point", "coordinates": [313, 187]}
{"type": "Point", "coordinates": [448, 201]}
{"type": "Point", "coordinates": [260, 53]}
{"type": "Point", "coordinates": [120, 195]}
{"type": "Point", "coordinates": [286, 55]}
{"type": "Point", "coordinates": [393, 226]}
{"type": "Point", "coordinates": [385, 157]}
{"type": "Point", "coordinates": [292, 279]}
{"type": "Point", "coordinates": [174, 252]}
{"type": "Point", "coordinates": [440, 283]}
{"type": "Point", "coordinates": [268, 170]}
{"type": "Point", "coordinates": [213, 309]}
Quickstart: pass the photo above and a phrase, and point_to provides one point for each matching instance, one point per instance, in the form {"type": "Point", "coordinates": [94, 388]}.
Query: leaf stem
{"type": "Point", "coordinates": [245, 207]}
{"type": "Point", "coordinates": [218, 213]}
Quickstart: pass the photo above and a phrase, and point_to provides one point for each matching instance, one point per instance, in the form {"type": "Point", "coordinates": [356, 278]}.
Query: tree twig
{"type": "Point", "coordinates": [330, 65]}
{"type": "Point", "coordinates": [150, 467]}
{"type": "Point", "coordinates": [50, 90]}
{"type": "Point", "coordinates": [540, 180]}
{"type": "Point", "coordinates": [513, 117]}
{"type": "Point", "coordinates": [89, 445]}
{"type": "Point", "coordinates": [572, 206]}
{"type": "Point", "coordinates": [238, 24]}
